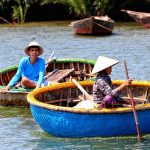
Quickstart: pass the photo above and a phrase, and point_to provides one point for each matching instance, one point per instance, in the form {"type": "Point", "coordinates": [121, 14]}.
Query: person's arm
{"type": "Point", "coordinates": [14, 80]}
{"type": "Point", "coordinates": [18, 74]}
{"type": "Point", "coordinates": [126, 83]}
{"type": "Point", "coordinates": [107, 90]}
{"type": "Point", "coordinates": [41, 73]}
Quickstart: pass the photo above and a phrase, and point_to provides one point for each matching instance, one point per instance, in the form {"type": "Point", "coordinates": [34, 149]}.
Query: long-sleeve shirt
{"type": "Point", "coordinates": [34, 72]}
{"type": "Point", "coordinates": [102, 87]}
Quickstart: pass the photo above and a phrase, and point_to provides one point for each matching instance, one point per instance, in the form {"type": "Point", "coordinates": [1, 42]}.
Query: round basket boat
{"type": "Point", "coordinates": [53, 108]}
{"type": "Point", "coordinates": [58, 70]}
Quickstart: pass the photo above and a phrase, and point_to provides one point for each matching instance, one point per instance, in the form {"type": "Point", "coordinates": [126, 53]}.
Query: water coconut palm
{"type": "Point", "coordinates": [79, 7]}
{"type": "Point", "coordinates": [19, 11]}
{"type": "Point", "coordinates": [83, 8]}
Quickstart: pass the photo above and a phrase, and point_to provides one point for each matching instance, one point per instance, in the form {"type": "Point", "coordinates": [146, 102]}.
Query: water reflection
{"type": "Point", "coordinates": [128, 42]}
{"type": "Point", "coordinates": [8, 112]}
{"type": "Point", "coordinates": [91, 143]}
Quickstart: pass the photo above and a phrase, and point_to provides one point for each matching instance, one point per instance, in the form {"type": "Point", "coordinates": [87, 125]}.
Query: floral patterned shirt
{"type": "Point", "coordinates": [102, 87]}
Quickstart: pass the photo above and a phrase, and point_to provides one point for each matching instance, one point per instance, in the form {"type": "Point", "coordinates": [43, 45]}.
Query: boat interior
{"type": "Point", "coordinates": [71, 96]}
{"type": "Point", "coordinates": [56, 72]}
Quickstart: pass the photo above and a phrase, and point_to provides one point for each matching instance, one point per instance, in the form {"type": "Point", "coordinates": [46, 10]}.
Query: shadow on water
{"type": "Point", "coordinates": [90, 143]}
{"type": "Point", "coordinates": [91, 36]}
{"type": "Point", "coordinates": [8, 112]}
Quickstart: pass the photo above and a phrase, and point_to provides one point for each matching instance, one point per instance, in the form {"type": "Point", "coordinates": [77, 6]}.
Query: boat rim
{"type": "Point", "coordinates": [33, 101]}
{"type": "Point", "coordinates": [58, 60]}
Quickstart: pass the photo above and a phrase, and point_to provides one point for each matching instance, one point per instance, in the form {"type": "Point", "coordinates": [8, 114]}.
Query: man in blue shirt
{"type": "Point", "coordinates": [31, 69]}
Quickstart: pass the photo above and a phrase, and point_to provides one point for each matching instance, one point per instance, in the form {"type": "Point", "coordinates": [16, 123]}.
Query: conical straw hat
{"type": "Point", "coordinates": [103, 63]}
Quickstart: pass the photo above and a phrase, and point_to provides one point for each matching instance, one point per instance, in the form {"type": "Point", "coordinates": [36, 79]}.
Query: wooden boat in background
{"type": "Point", "coordinates": [53, 108]}
{"type": "Point", "coordinates": [140, 17]}
{"type": "Point", "coordinates": [59, 70]}
{"type": "Point", "coordinates": [95, 25]}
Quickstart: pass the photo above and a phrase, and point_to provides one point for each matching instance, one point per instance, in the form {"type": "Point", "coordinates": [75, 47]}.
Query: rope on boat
{"type": "Point", "coordinates": [103, 26]}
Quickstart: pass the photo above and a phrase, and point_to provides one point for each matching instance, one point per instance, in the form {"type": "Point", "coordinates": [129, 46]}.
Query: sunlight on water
{"type": "Point", "coordinates": [19, 130]}
{"type": "Point", "coordinates": [128, 42]}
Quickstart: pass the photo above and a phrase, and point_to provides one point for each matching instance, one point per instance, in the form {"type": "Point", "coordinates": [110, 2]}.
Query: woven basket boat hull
{"type": "Point", "coordinates": [18, 97]}
{"type": "Point", "coordinates": [63, 120]}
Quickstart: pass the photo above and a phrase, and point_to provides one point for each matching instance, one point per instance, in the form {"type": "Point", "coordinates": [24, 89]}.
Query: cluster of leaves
{"type": "Point", "coordinates": [81, 8]}
{"type": "Point", "coordinates": [19, 11]}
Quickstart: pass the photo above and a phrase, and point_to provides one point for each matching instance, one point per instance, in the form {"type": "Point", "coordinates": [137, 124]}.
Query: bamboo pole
{"type": "Point", "coordinates": [6, 20]}
{"type": "Point", "coordinates": [133, 105]}
{"type": "Point", "coordinates": [84, 92]}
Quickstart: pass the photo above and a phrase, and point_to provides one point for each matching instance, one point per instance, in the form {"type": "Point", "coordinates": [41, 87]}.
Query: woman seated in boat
{"type": "Point", "coordinates": [103, 91]}
{"type": "Point", "coordinates": [31, 69]}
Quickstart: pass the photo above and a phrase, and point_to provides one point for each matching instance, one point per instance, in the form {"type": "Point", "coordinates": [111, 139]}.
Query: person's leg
{"type": "Point", "coordinates": [122, 101]}
{"type": "Point", "coordinates": [28, 83]}
{"type": "Point", "coordinates": [108, 102]}
{"type": "Point", "coordinates": [18, 85]}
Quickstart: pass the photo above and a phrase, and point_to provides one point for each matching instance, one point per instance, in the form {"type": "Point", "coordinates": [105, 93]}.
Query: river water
{"type": "Point", "coordinates": [128, 42]}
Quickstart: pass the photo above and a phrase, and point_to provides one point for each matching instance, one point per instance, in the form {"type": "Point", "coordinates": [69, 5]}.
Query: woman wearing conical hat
{"type": "Point", "coordinates": [31, 69]}
{"type": "Point", "coordinates": [103, 91]}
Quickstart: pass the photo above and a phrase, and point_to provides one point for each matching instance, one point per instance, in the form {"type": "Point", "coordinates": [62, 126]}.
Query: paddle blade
{"type": "Point", "coordinates": [85, 104]}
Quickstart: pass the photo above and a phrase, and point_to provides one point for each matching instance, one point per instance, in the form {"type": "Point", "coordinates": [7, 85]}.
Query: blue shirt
{"type": "Point", "coordinates": [34, 72]}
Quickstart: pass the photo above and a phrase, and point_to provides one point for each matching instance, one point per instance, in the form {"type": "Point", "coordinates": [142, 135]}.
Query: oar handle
{"type": "Point", "coordinates": [52, 54]}
{"type": "Point", "coordinates": [133, 105]}
{"type": "Point", "coordinates": [82, 89]}
{"type": "Point", "coordinates": [14, 92]}
{"type": "Point", "coordinates": [50, 60]}
{"type": "Point", "coordinates": [126, 70]}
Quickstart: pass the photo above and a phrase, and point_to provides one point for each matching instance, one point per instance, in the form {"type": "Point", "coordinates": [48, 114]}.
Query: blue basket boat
{"type": "Point", "coordinates": [53, 109]}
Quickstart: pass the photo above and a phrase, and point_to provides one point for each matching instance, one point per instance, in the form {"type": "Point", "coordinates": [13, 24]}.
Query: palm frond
{"type": "Point", "coordinates": [19, 11]}
{"type": "Point", "coordinates": [77, 6]}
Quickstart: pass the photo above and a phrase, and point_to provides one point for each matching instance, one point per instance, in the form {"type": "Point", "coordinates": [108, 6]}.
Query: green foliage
{"type": "Point", "coordinates": [77, 6]}
{"type": "Point", "coordinates": [4, 5]}
{"type": "Point", "coordinates": [19, 11]}
{"type": "Point", "coordinates": [101, 6]}
{"type": "Point", "coordinates": [83, 8]}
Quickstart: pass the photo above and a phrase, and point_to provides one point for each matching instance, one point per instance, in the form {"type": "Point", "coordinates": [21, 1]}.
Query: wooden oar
{"type": "Point", "coordinates": [16, 92]}
{"type": "Point", "coordinates": [13, 92]}
{"type": "Point", "coordinates": [51, 59]}
{"type": "Point", "coordinates": [84, 92]}
{"type": "Point", "coordinates": [6, 20]}
{"type": "Point", "coordinates": [133, 104]}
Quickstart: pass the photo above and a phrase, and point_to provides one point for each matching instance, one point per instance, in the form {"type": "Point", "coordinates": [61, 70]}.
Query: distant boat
{"type": "Point", "coordinates": [95, 25]}
{"type": "Point", "coordinates": [140, 17]}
